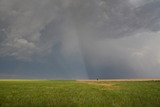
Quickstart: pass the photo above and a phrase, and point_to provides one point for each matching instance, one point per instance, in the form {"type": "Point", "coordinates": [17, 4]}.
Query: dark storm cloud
{"type": "Point", "coordinates": [116, 18]}
{"type": "Point", "coordinates": [79, 38]}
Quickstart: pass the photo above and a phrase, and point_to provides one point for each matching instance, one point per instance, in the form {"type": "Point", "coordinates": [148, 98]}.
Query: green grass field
{"type": "Point", "coordinates": [48, 93]}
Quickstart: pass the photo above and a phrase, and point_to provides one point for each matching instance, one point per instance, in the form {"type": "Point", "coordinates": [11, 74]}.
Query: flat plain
{"type": "Point", "coordinates": [80, 93]}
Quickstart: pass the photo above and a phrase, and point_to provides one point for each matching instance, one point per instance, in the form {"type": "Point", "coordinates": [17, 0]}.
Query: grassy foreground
{"type": "Point", "coordinates": [48, 93]}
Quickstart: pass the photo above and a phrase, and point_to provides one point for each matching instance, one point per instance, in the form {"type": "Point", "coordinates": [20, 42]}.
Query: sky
{"type": "Point", "coordinates": [79, 39]}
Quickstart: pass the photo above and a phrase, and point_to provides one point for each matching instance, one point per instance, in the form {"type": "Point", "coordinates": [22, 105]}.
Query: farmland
{"type": "Point", "coordinates": [73, 93]}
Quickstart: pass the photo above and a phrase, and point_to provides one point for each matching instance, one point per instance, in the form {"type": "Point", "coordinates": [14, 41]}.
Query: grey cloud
{"type": "Point", "coordinates": [27, 19]}
{"type": "Point", "coordinates": [98, 18]}
{"type": "Point", "coordinates": [114, 37]}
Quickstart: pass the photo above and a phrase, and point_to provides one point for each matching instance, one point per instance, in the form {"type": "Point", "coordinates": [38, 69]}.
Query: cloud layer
{"type": "Point", "coordinates": [84, 39]}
